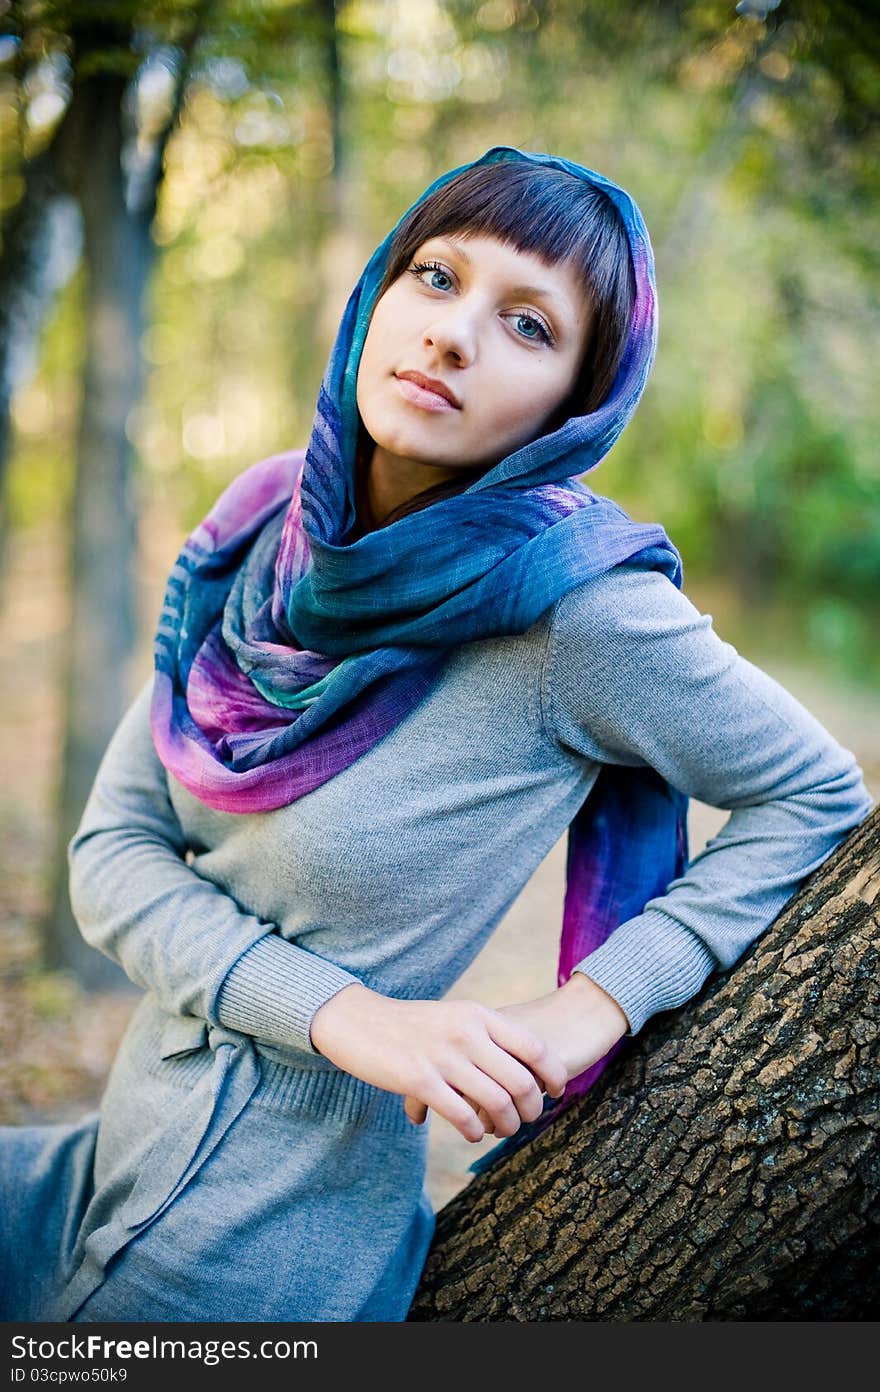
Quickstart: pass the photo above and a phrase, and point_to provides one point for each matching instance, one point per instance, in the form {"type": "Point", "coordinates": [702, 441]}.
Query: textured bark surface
{"type": "Point", "coordinates": [724, 1167]}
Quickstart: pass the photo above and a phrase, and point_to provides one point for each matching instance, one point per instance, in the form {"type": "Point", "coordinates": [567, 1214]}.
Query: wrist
{"type": "Point", "coordinates": [596, 1020]}
{"type": "Point", "coordinates": [601, 1002]}
{"type": "Point", "coordinates": [336, 1013]}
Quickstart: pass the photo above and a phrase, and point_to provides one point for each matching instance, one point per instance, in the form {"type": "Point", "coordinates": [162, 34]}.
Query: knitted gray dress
{"type": "Point", "coordinates": [234, 1173]}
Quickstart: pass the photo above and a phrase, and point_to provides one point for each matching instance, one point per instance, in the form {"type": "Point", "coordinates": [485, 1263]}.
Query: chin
{"type": "Point", "coordinates": [401, 438]}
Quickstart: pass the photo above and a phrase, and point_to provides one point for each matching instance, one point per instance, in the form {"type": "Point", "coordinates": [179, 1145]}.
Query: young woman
{"type": "Point", "coordinates": [391, 670]}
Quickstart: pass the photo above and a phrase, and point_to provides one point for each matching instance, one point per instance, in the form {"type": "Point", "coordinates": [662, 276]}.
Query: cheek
{"type": "Point", "coordinates": [378, 331]}
{"type": "Point", "coordinates": [387, 320]}
{"type": "Point", "coordinates": [524, 394]}
{"type": "Point", "coordinates": [372, 365]}
{"type": "Point", "coordinates": [369, 350]}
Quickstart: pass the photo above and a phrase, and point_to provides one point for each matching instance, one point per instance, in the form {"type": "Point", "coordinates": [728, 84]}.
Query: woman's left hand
{"type": "Point", "coordinates": [579, 1021]}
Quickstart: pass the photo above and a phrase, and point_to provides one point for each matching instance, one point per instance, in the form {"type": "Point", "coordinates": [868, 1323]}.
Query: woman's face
{"type": "Point", "coordinates": [503, 331]}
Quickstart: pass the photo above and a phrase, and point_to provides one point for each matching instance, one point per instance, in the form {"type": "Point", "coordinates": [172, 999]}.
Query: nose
{"type": "Point", "coordinates": [452, 334]}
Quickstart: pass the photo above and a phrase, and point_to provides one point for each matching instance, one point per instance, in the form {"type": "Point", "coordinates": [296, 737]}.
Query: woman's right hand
{"type": "Point", "coordinates": [443, 1053]}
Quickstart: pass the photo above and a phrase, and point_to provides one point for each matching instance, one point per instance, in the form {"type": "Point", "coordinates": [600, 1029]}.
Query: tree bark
{"type": "Point", "coordinates": [724, 1167]}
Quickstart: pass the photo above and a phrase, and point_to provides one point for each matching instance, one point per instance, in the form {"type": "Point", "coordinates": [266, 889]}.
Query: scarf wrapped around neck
{"type": "Point", "coordinates": [283, 653]}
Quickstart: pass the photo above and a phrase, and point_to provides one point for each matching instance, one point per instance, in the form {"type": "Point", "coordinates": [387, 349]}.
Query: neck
{"type": "Point", "coordinates": [392, 481]}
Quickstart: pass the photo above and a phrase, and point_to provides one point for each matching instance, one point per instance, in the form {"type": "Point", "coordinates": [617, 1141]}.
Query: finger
{"type": "Point", "coordinates": [518, 1082]}
{"type": "Point", "coordinates": [447, 1102]}
{"type": "Point", "coordinates": [533, 1051]}
{"type": "Point", "coordinates": [485, 1120]}
{"type": "Point", "coordinates": [485, 1091]}
{"type": "Point", "coordinates": [415, 1110]}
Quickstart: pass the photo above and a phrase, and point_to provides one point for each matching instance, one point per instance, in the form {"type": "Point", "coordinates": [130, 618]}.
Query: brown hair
{"type": "Point", "coordinates": [556, 215]}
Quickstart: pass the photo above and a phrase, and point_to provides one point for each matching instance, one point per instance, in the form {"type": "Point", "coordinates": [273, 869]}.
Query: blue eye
{"type": "Point", "coordinates": [419, 267]}
{"type": "Point", "coordinates": [530, 318]}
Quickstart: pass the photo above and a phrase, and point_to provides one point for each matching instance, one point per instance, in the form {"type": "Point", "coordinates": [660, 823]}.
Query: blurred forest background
{"type": "Point", "coordinates": [188, 193]}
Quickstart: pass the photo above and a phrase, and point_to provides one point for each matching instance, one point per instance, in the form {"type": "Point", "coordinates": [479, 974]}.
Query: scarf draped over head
{"type": "Point", "coordinates": [283, 653]}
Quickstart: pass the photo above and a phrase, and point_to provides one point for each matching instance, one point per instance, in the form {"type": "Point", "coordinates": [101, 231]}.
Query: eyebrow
{"type": "Point", "coordinates": [537, 291]}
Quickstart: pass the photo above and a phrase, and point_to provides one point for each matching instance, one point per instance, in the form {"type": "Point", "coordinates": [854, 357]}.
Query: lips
{"type": "Point", "coordinates": [431, 384]}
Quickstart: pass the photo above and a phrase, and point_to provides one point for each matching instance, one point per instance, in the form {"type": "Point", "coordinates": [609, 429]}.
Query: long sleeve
{"type": "Point", "coordinates": [173, 932]}
{"type": "Point", "coordinates": [635, 674]}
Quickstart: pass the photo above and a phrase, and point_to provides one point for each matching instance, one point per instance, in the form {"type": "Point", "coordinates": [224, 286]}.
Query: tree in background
{"type": "Point", "coordinates": [106, 156]}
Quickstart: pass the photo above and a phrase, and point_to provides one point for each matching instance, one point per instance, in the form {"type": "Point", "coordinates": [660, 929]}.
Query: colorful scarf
{"type": "Point", "coordinates": [283, 654]}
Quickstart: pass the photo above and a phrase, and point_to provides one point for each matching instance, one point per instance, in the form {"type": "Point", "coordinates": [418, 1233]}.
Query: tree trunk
{"type": "Point", "coordinates": [342, 251]}
{"type": "Point", "coordinates": [101, 635]}
{"type": "Point", "coordinates": [724, 1167]}
{"type": "Point", "coordinates": [117, 211]}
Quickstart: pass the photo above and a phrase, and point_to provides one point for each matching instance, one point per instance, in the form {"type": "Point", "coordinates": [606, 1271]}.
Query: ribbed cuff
{"type": "Point", "coordinates": [649, 963]}
{"type": "Point", "coordinates": [274, 990]}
